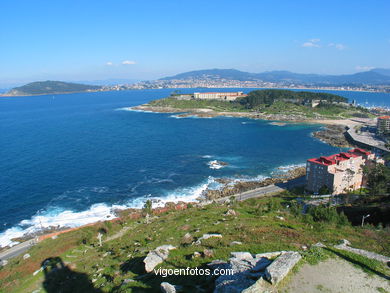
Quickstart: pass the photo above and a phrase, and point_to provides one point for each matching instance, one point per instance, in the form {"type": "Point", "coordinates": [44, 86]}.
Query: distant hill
{"type": "Point", "coordinates": [232, 74]}
{"type": "Point", "coordinates": [50, 87]}
{"type": "Point", "coordinates": [372, 77]}
{"type": "Point", "coordinates": [382, 71]}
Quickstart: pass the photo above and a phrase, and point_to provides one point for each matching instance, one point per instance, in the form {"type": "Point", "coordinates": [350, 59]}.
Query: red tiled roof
{"type": "Point", "coordinates": [225, 93]}
{"type": "Point", "coordinates": [333, 159]}
{"type": "Point", "coordinates": [360, 151]}
{"type": "Point", "coordinates": [384, 117]}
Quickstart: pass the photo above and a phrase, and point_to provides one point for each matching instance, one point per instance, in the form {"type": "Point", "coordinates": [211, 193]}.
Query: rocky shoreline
{"type": "Point", "coordinates": [233, 187]}
{"type": "Point", "coordinates": [333, 135]}
{"type": "Point", "coordinates": [279, 119]}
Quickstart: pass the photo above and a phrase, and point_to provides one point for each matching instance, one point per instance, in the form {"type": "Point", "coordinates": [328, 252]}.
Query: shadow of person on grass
{"type": "Point", "coordinates": [59, 278]}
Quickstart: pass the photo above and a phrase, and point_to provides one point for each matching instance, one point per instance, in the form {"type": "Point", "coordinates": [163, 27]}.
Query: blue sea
{"type": "Point", "coordinates": [69, 160]}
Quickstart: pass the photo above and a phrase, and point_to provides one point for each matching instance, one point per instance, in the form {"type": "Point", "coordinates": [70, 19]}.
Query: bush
{"type": "Point", "coordinates": [314, 255]}
{"type": "Point", "coordinates": [295, 208]}
{"type": "Point", "coordinates": [326, 214]}
{"type": "Point", "coordinates": [271, 205]}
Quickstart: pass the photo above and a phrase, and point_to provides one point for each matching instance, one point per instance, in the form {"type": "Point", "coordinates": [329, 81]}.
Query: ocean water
{"type": "Point", "coordinates": [69, 160]}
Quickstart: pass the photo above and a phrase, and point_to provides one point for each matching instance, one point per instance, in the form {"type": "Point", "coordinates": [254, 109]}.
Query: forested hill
{"type": "Point", "coordinates": [268, 97]}
{"type": "Point", "coordinates": [50, 87]}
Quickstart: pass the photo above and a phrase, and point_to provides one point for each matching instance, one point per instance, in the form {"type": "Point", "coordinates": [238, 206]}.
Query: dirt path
{"type": "Point", "coordinates": [336, 276]}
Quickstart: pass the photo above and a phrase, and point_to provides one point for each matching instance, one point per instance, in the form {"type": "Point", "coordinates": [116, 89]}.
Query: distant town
{"type": "Point", "coordinates": [227, 83]}
{"type": "Point", "coordinates": [376, 80]}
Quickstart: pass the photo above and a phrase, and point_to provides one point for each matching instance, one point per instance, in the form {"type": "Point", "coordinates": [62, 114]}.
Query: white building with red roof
{"type": "Point", "coordinates": [226, 96]}
{"type": "Point", "coordinates": [340, 172]}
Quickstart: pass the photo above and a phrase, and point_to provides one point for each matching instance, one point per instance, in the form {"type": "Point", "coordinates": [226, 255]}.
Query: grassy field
{"type": "Point", "coordinates": [262, 225]}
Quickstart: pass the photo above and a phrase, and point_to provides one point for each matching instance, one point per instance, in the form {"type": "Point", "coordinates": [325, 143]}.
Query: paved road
{"type": "Point", "coordinates": [267, 190]}
{"type": "Point", "coordinates": [16, 250]}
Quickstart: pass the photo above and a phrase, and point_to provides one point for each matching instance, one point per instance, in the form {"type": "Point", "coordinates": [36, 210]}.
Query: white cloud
{"type": "Point", "coordinates": [312, 43]}
{"type": "Point", "coordinates": [109, 63]}
{"type": "Point", "coordinates": [337, 46]}
{"type": "Point", "coordinates": [128, 62]}
{"type": "Point", "coordinates": [364, 68]}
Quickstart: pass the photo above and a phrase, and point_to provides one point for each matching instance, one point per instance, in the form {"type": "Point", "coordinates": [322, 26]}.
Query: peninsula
{"type": "Point", "coordinates": [50, 87]}
{"type": "Point", "coordinates": [270, 104]}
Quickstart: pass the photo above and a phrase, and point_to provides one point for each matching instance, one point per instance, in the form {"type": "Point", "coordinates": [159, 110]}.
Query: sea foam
{"type": "Point", "coordinates": [131, 109]}
{"type": "Point", "coordinates": [61, 218]}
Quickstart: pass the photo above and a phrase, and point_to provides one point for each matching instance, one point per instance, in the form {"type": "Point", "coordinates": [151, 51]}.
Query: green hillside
{"type": "Point", "coordinates": [50, 87]}
{"type": "Point", "coordinates": [274, 102]}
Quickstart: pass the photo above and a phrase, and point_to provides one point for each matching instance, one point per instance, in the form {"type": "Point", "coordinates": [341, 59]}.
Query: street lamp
{"type": "Point", "coordinates": [363, 218]}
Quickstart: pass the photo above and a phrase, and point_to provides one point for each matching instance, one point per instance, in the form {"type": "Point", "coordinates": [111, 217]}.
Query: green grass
{"type": "Point", "coordinates": [278, 107]}
{"type": "Point", "coordinates": [256, 226]}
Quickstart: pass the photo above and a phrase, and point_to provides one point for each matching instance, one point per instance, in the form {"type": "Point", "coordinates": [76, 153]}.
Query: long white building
{"type": "Point", "coordinates": [226, 96]}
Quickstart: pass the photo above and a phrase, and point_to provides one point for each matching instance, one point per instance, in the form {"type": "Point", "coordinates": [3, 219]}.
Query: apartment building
{"type": "Point", "coordinates": [340, 172]}
{"type": "Point", "coordinates": [383, 125]}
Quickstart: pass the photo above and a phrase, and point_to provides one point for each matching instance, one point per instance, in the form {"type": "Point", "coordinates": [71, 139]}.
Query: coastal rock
{"type": "Point", "coordinates": [269, 254]}
{"type": "Point", "coordinates": [254, 273]}
{"type": "Point", "coordinates": [207, 236]}
{"type": "Point", "coordinates": [187, 239]}
{"type": "Point", "coordinates": [157, 256]}
{"type": "Point", "coordinates": [241, 255]}
{"type": "Point", "coordinates": [241, 186]}
{"type": "Point", "coordinates": [371, 255]}
{"type": "Point", "coordinates": [208, 252]}
{"type": "Point", "coordinates": [167, 288]}
{"type": "Point", "coordinates": [231, 212]}
{"type": "Point", "coordinates": [215, 164]}
{"type": "Point", "coordinates": [319, 244]}
{"type": "Point", "coordinates": [333, 135]}
{"type": "Point", "coordinates": [235, 243]}
{"type": "Point", "coordinates": [246, 269]}
{"type": "Point", "coordinates": [281, 266]}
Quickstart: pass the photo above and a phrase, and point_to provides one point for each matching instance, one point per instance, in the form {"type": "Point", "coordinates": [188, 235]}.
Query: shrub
{"type": "Point", "coordinates": [326, 214]}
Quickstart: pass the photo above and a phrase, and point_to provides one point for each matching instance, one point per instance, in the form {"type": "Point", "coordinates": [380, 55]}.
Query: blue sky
{"type": "Point", "coordinates": [88, 40]}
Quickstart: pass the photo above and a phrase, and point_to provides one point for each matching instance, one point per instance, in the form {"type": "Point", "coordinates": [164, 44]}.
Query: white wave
{"type": "Point", "coordinates": [189, 194]}
{"type": "Point", "coordinates": [60, 218]}
{"type": "Point", "coordinates": [131, 109]}
{"type": "Point", "coordinates": [215, 165]}
{"type": "Point", "coordinates": [287, 168]}
{"type": "Point", "coordinates": [57, 218]}
{"type": "Point", "coordinates": [248, 178]}
{"type": "Point", "coordinates": [177, 116]}
{"type": "Point", "coordinates": [207, 156]}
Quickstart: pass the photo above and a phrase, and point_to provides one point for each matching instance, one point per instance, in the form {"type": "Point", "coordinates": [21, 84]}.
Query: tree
{"type": "Point", "coordinates": [378, 179]}
{"type": "Point", "coordinates": [147, 210]}
{"type": "Point", "coordinates": [324, 190]}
